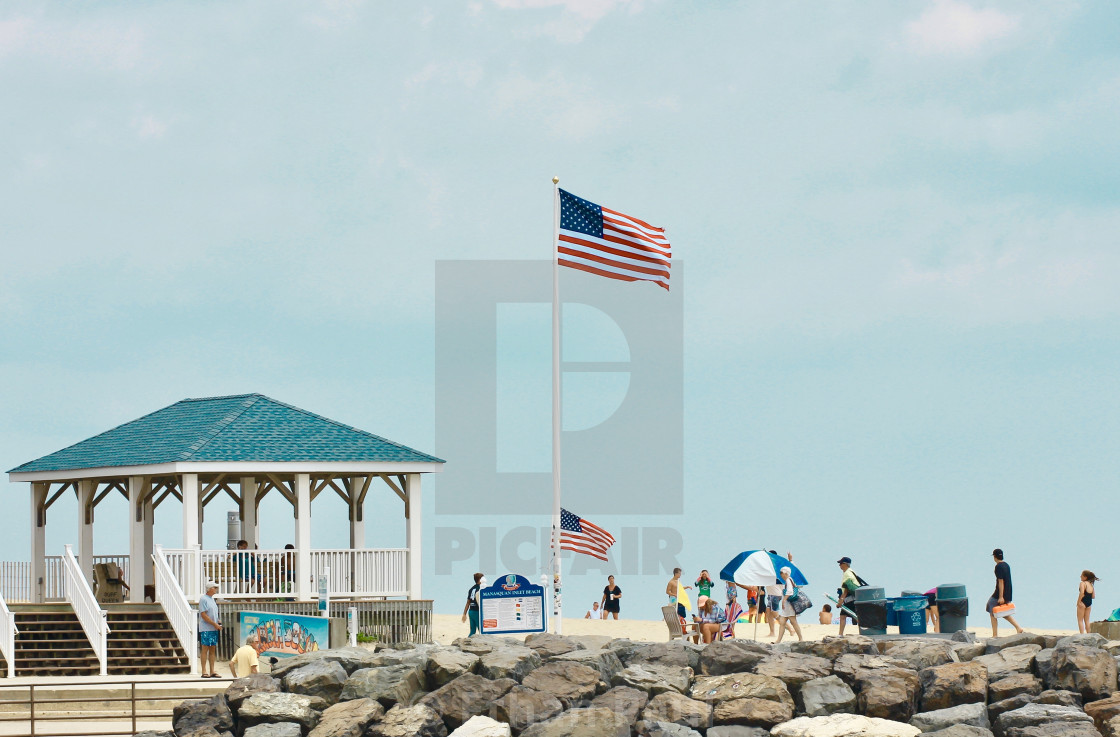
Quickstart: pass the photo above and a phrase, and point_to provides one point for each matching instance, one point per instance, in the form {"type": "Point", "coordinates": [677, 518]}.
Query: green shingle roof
{"type": "Point", "coordinates": [246, 427]}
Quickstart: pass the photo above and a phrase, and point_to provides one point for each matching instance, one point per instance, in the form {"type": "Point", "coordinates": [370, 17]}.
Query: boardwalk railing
{"type": "Point", "coordinates": [91, 616]}
{"type": "Point", "coordinates": [175, 605]}
{"type": "Point", "coordinates": [271, 574]}
{"type": "Point", "coordinates": [16, 584]}
{"type": "Point", "coordinates": [8, 634]}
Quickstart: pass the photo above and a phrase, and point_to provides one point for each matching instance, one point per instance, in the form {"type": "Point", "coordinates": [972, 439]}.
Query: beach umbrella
{"type": "Point", "coordinates": [760, 568]}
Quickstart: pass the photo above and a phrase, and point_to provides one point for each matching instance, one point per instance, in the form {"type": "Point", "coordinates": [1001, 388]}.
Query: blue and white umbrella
{"type": "Point", "coordinates": [760, 568]}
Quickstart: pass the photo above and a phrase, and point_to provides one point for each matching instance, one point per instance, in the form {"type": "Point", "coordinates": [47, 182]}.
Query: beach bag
{"type": "Point", "coordinates": [799, 602]}
{"type": "Point", "coordinates": [1003, 610]}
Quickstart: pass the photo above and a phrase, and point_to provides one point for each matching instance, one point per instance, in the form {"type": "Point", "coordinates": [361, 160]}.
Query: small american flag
{"type": "Point", "coordinates": [580, 536]}
{"type": "Point", "coordinates": [601, 241]}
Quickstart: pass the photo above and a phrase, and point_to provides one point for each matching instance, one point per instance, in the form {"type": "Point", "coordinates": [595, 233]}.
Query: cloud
{"type": "Point", "coordinates": [554, 104]}
{"type": "Point", "coordinates": [577, 17]}
{"type": "Point", "coordinates": [102, 44]}
{"type": "Point", "coordinates": [954, 28]}
{"type": "Point", "coordinates": [465, 73]}
{"type": "Point", "coordinates": [149, 127]}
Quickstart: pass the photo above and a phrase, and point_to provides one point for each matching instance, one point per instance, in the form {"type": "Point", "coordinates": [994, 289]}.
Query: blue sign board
{"type": "Point", "coordinates": [512, 605]}
{"type": "Point", "coordinates": [285, 635]}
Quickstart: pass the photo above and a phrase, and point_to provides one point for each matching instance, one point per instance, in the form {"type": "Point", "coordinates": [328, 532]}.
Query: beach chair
{"type": "Point", "coordinates": [107, 583]}
{"type": "Point", "coordinates": [733, 613]}
{"type": "Point", "coordinates": [677, 628]}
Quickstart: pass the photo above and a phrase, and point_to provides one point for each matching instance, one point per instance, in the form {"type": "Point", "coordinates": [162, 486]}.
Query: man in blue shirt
{"type": "Point", "coordinates": [209, 627]}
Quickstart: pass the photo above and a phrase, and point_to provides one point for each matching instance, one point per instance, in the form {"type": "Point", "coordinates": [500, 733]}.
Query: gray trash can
{"type": "Point", "coordinates": [871, 608]}
{"type": "Point", "coordinates": [952, 607]}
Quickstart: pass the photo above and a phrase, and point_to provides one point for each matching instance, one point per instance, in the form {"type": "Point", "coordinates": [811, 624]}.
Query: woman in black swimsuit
{"type": "Point", "coordinates": [1086, 592]}
{"type": "Point", "coordinates": [611, 595]}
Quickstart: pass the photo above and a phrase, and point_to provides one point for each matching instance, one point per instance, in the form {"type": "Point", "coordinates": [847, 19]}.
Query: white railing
{"type": "Point", "coordinates": [179, 613]}
{"type": "Point", "coordinates": [8, 632]}
{"type": "Point", "coordinates": [91, 616]}
{"type": "Point", "coordinates": [256, 574]}
{"type": "Point", "coordinates": [16, 584]}
{"type": "Point", "coordinates": [15, 580]}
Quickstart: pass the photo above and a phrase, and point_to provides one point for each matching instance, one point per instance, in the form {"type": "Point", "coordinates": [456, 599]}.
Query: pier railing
{"type": "Point", "coordinates": [90, 614]}
{"type": "Point", "coordinates": [179, 613]}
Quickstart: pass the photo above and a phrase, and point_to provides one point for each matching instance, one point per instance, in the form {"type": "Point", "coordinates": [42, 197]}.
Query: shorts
{"type": "Point", "coordinates": [993, 602]}
{"type": "Point", "coordinates": [208, 638]}
{"type": "Point", "coordinates": [773, 603]}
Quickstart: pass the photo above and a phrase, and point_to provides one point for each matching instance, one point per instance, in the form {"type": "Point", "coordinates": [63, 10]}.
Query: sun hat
{"type": "Point", "coordinates": [701, 600]}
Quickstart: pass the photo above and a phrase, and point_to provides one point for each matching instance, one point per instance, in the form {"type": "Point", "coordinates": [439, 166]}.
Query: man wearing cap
{"type": "Point", "coordinates": [209, 627]}
{"type": "Point", "coordinates": [849, 582]}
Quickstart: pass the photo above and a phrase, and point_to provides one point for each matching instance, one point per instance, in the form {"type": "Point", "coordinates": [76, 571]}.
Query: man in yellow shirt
{"type": "Point", "coordinates": [245, 660]}
{"type": "Point", "coordinates": [849, 582]}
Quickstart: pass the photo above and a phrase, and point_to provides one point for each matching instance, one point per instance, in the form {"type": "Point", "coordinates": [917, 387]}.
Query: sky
{"type": "Point", "coordinates": [899, 222]}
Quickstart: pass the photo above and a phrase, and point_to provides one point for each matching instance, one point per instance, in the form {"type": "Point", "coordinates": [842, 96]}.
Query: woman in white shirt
{"type": "Point", "coordinates": [786, 611]}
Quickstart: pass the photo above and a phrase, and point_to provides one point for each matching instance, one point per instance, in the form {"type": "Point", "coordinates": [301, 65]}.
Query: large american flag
{"type": "Point", "coordinates": [580, 536]}
{"type": "Point", "coordinates": [602, 241]}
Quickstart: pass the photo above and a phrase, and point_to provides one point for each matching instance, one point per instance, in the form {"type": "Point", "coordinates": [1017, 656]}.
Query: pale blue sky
{"type": "Point", "coordinates": [899, 218]}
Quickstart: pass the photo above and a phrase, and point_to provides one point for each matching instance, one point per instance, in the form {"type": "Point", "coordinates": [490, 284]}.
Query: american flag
{"type": "Point", "coordinates": [580, 536]}
{"type": "Point", "coordinates": [601, 241]}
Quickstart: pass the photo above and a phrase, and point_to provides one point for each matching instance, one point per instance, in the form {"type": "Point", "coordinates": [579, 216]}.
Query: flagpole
{"type": "Point", "coordinates": [557, 608]}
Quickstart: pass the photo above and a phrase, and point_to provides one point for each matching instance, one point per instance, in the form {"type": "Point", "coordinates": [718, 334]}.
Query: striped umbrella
{"type": "Point", "coordinates": [760, 568]}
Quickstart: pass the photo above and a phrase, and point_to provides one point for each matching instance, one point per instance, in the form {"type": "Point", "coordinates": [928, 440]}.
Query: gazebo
{"type": "Point", "coordinates": [245, 446]}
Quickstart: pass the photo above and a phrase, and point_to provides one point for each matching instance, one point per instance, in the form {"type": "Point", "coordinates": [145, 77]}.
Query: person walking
{"type": "Point", "coordinates": [611, 595]}
{"type": "Point", "coordinates": [471, 607]}
{"type": "Point", "coordinates": [1086, 592]}
{"type": "Point", "coordinates": [209, 627]}
{"type": "Point", "coordinates": [671, 590]}
{"type": "Point", "coordinates": [788, 616]}
{"type": "Point", "coordinates": [245, 660]}
{"type": "Point", "coordinates": [1002, 595]}
{"type": "Point", "coordinates": [849, 582]}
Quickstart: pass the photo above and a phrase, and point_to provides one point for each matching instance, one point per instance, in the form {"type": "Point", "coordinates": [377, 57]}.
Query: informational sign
{"type": "Point", "coordinates": [512, 605]}
{"type": "Point", "coordinates": [285, 635]}
{"type": "Point", "coordinates": [324, 595]}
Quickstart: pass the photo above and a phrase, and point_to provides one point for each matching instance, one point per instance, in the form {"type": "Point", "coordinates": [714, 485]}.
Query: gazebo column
{"type": "Point", "coordinates": [357, 518]}
{"type": "Point", "coordinates": [188, 486]}
{"type": "Point", "coordinates": [148, 568]}
{"type": "Point", "coordinates": [249, 529]}
{"type": "Point", "coordinates": [86, 489]}
{"type": "Point", "coordinates": [412, 511]}
{"type": "Point", "coordinates": [138, 488]}
{"type": "Point", "coordinates": [303, 536]}
{"type": "Point", "coordinates": [38, 539]}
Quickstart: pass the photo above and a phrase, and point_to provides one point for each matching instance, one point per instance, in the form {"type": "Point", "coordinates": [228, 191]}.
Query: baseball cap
{"type": "Point", "coordinates": [211, 585]}
{"type": "Point", "coordinates": [845, 559]}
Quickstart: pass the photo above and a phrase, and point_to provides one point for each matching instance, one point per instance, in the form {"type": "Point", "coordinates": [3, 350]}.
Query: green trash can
{"type": "Point", "coordinates": [952, 607]}
{"type": "Point", "coordinates": [871, 608]}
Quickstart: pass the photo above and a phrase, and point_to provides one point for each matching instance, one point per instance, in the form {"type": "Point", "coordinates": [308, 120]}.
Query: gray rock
{"type": "Point", "coordinates": [731, 656]}
{"type": "Point", "coordinates": [975, 715]}
{"type": "Point", "coordinates": [348, 718]}
{"type": "Point", "coordinates": [350, 658]}
{"type": "Point", "coordinates": [322, 678]}
{"type": "Point", "coordinates": [1104, 710]}
{"type": "Point", "coordinates": [523, 706]}
{"type": "Point", "coordinates": [508, 662]}
{"type": "Point", "coordinates": [1043, 665]}
{"type": "Point", "coordinates": [793, 669]}
{"type": "Point", "coordinates": [270, 708]}
{"type": "Point", "coordinates": [242, 688]}
{"type": "Point", "coordinates": [678, 709]}
{"type": "Point", "coordinates": [582, 723]}
{"type": "Point", "coordinates": [717, 689]}
{"type": "Point", "coordinates": [480, 726]}
{"type": "Point", "coordinates": [605, 661]}
{"type": "Point", "coordinates": [996, 644]}
{"type": "Point", "coordinates": [1033, 715]}
{"type": "Point", "coordinates": [737, 730]}
{"type": "Point", "coordinates": [653, 679]}
{"type": "Point", "coordinates": [751, 712]}
{"type": "Point", "coordinates": [843, 725]}
{"type": "Point", "coordinates": [280, 729]}
{"type": "Point", "coordinates": [1061, 698]}
{"type": "Point", "coordinates": [479, 644]}
{"type": "Point", "coordinates": [823, 696]}
{"type": "Point", "coordinates": [1014, 685]}
{"type": "Point", "coordinates": [849, 667]}
{"type": "Point", "coordinates": [967, 651]}
{"type": "Point", "coordinates": [389, 685]}
{"type": "Point", "coordinates": [1056, 729]}
{"type": "Point", "coordinates": [547, 644]}
{"type": "Point", "coordinates": [1090, 639]}
{"type": "Point", "coordinates": [953, 684]}
{"type": "Point", "coordinates": [153, 733]}
{"type": "Point", "coordinates": [624, 648]}
{"type": "Point", "coordinates": [1010, 660]}
{"type": "Point", "coordinates": [888, 693]}
{"type": "Point", "coordinates": [409, 721]}
{"type": "Point", "coordinates": [676, 653]}
{"type": "Point", "coordinates": [1110, 729]}
{"type": "Point", "coordinates": [445, 665]}
{"type": "Point", "coordinates": [831, 648]}
{"type": "Point", "coordinates": [963, 636]}
{"type": "Point", "coordinates": [592, 642]}
{"type": "Point", "coordinates": [465, 697]}
{"type": "Point", "coordinates": [1015, 702]}
{"type": "Point", "coordinates": [1090, 671]}
{"type": "Point", "coordinates": [572, 683]}
{"type": "Point", "coordinates": [919, 653]}
{"type": "Point", "coordinates": [667, 729]}
{"type": "Point", "coordinates": [623, 700]}
{"type": "Point", "coordinates": [961, 730]}
{"type": "Point", "coordinates": [198, 715]}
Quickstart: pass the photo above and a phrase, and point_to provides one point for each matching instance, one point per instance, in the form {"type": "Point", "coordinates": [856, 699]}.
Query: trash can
{"type": "Point", "coordinates": [892, 617]}
{"type": "Point", "coordinates": [952, 607]}
{"type": "Point", "coordinates": [871, 608]}
{"type": "Point", "coordinates": [911, 614]}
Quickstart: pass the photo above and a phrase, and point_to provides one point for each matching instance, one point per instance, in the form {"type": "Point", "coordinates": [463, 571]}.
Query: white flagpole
{"type": "Point", "coordinates": [557, 608]}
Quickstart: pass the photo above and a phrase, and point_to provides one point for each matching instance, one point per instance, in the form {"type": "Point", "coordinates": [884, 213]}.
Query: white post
{"type": "Point", "coordinates": [148, 577]}
{"type": "Point", "coordinates": [249, 529]}
{"type": "Point", "coordinates": [39, 491]}
{"type": "Point", "coordinates": [137, 490]}
{"type": "Point", "coordinates": [192, 572]}
{"type": "Point", "coordinates": [557, 609]}
{"type": "Point", "coordinates": [413, 511]}
{"type": "Point", "coordinates": [86, 489]}
{"type": "Point", "coordinates": [352, 625]}
{"type": "Point", "coordinates": [357, 515]}
{"type": "Point", "coordinates": [303, 537]}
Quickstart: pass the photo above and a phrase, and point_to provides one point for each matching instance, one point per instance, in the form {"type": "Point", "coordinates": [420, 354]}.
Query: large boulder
{"type": "Point", "coordinates": [1009, 661]}
{"type": "Point", "coordinates": [1035, 715]}
{"type": "Point", "coordinates": [605, 661]}
{"type": "Point", "coordinates": [1085, 639]}
{"type": "Point", "coordinates": [843, 725]}
{"type": "Point", "coordinates": [793, 669]}
{"type": "Point", "coordinates": [508, 662]}
{"type": "Point", "coordinates": [1090, 671]}
{"type": "Point", "coordinates": [679, 653]}
{"type": "Point", "coordinates": [623, 700]}
{"type": "Point", "coordinates": [466, 696]}
{"type": "Point", "coordinates": [888, 693]}
{"type": "Point", "coordinates": [202, 714]}
{"type": "Point", "coordinates": [571, 683]}
{"type": "Point", "coordinates": [1110, 729]}
{"type": "Point", "coordinates": [678, 709]}
{"type": "Point", "coordinates": [1061, 698]}
{"type": "Point", "coordinates": [653, 679]}
{"type": "Point", "coordinates": [523, 706]}
{"type": "Point", "coordinates": [1056, 729]}
{"type": "Point", "coordinates": [731, 656]}
{"type": "Point", "coordinates": [975, 715]}
{"type": "Point", "coordinates": [967, 651]}
{"type": "Point", "coordinates": [390, 685]}
{"type": "Point", "coordinates": [242, 688]}
{"type": "Point", "coordinates": [1104, 710]}
{"type": "Point", "coordinates": [996, 644]}
{"type": "Point", "coordinates": [270, 708]}
{"type": "Point", "coordinates": [849, 666]}
{"type": "Point", "coordinates": [1043, 665]}
{"type": "Point", "coordinates": [582, 723]}
{"type": "Point", "coordinates": [823, 696]}
{"type": "Point", "coordinates": [409, 721]}
{"type": "Point", "coordinates": [348, 718]}
{"type": "Point", "coordinates": [548, 645]}
{"type": "Point", "coordinates": [737, 730]}
{"type": "Point", "coordinates": [350, 658]}
{"type": "Point", "coordinates": [832, 648]}
{"type": "Point", "coordinates": [279, 729]}
{"type": "Point", "coordinates": [1020, 683]}
{"type": "Point", "coordinates": [668, 729]}
{"type": "Point", "coordinates": [752, 712]}
{"type": "Point", "coordinates": [482, 727]}
{"type": "Point", "coordinates": [716, 689]}
{"type": "Point", "coordinates": [953, 684]}
{"type": "Point", "coordinates": [920, 653]}
{"type": "Point", "coordinates": [322, 679]}
{"type": "Point", "coordinates": [592, 642]}
{"type": "Point", "coordinates": [961, 730]}
{"type": "Point", "coordinates": [447, 664]}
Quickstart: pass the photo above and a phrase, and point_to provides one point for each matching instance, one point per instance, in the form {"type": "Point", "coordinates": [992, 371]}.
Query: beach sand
{"type": "Point", "coordinates": [448, 627]}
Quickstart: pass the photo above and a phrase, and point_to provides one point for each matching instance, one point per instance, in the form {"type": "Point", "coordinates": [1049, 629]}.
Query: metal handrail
{"type": "Point", "coordinates": [175, 605]}
{"type": "Point", "coordinates": [8, 632]}
{"type": "Point", "coordinates": [93, 618]}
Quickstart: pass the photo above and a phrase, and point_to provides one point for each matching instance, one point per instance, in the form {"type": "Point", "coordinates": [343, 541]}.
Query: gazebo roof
{"type": "Point", "coordinates": [241, 428]}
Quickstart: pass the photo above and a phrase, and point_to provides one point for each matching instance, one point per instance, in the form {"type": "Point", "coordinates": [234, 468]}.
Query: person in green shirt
{"type": "Point", "coordinates": [849, 582]}
{"type": "Point", "coordinates": [704, 584]}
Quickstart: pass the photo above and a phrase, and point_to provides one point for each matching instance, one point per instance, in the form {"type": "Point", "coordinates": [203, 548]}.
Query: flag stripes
{"type": "Point", "coordinates": [608, 243]}
{"type": "Point", "coordinates": [581, 536]}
